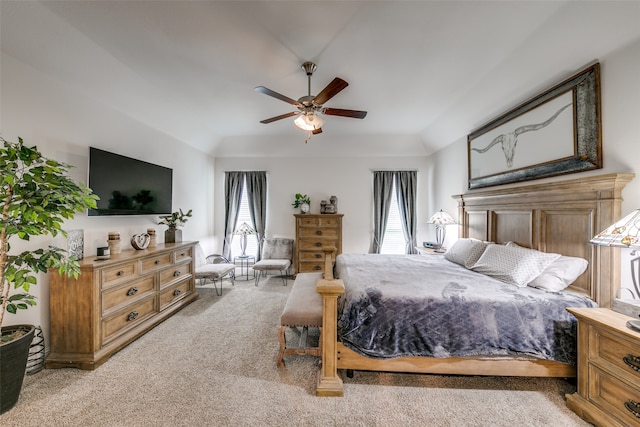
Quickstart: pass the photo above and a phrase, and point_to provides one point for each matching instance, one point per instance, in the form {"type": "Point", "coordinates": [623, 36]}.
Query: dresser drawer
{"type": "Point", "coordinates": [311, 266]}
{"type": "Point", "coordinates": [319, 232]}
{"type": "Point", "coordinates": [316, 244]}
{"type": "Point", "coordinates": [155, 263]}
{"type": "Point", "coordinates": [112, 276]}
{"type": "Point", "coordinates": [117, 297]}
{"type": "Point", "coordinates": [174, 293]}
{"type": "Point", "coordinates": [183, 255]}
{"type": "Point", "coordinates": [610, 351]}
{"type": "Point", "coordinates": [321, 220]}
{"type": "Point", "coordinates": [177, 272]}
{"type": "Point", "coordinates": [314, 256]}
{"type": "Point", "coordinates": [128, 318]}
{"type": "Point", "coordinates": [613, 395]}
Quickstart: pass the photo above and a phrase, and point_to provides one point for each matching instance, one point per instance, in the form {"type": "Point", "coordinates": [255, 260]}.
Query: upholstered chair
{"type": "Point", "coordinates": [213, 267]}
{"type": "Point", "coordinates": [277, 254]}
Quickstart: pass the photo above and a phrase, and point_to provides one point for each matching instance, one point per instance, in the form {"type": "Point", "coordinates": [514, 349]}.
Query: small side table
{"type": "Point", "coordinates": [245, 262]}
{"type": "Point", "coordinates": [428, 251]}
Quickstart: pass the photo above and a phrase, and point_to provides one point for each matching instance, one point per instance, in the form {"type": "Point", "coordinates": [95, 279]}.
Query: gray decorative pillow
{"type": "Point", "coordinates": [513, 264]}
{"type": "Point", "coordinates": [465, 252]}
{"type": "Point", "coordinates": [560, 274]}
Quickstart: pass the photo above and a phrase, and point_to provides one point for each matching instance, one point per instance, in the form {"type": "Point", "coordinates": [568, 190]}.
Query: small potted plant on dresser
{"type": "Point", "coordinates": [36, 198]}
{"type": "Point", "coordinates": [303, 202]}
{"type": "Point", "coordinates": [173, 234]}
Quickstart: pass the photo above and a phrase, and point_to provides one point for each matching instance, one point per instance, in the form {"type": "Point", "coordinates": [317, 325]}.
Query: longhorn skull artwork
{"type": "Point", "coordinates": [509, 140]}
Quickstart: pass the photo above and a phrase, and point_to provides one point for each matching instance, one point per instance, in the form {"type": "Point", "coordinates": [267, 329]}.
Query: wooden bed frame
{"type": "Point", "coordinates": [558, 217]}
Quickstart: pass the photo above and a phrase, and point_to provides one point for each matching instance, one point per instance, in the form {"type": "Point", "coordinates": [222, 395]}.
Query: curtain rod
{"type": "Point", "coordinates": [394, 170]}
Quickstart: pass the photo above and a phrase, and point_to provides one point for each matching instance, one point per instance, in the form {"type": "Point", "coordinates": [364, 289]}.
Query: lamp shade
{"type": "Point", "coordinates": [624, 233]}
{"type": "Point", "coordinates": [441, 218]}
{"type": "Point", "coordinates": [309, 122]}
{"type": "Point", "coordinates": [244, 229]}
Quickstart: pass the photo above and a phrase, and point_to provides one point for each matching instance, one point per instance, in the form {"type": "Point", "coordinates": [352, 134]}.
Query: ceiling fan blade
{"type": "Point", "coordinates": [316, 131]}
{"type": "Point", "coordinates": [276, 95]}
{"type": "Point", "coordinates": [280, 117]}
{"type": "Point", "coordinates": [331, 90]}
{"type": "Point", "coordinates": [345, 113]}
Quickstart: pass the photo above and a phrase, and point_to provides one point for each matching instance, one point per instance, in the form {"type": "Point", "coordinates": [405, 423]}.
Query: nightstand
{"type": "Point", "coordinates": [428, 251]}
{"type": "Point", "coordinates": [608, 369]}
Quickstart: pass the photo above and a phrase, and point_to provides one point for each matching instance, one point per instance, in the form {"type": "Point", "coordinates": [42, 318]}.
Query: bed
{"type": "Point", "coordinates": [552, 218]}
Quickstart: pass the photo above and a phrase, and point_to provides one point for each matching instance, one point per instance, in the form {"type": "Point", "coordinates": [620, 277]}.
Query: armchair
{"type": "Point", "coordinates": [277, 254]}
{"type": "Point", "coordinates": [213, 267]}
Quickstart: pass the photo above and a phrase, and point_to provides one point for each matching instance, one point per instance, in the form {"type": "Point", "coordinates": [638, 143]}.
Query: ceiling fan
{"type": "Point", "coordinates": [309, 107]}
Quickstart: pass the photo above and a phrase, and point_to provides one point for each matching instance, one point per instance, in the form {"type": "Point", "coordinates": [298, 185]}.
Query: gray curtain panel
{"type": "Point", "coordinates": [406, 182]}
{"type": "Point", "coordinates": [256, 186]}
{"type": "Point", "coordinates": [233, 183]}
{"type": "Point", "coordinates": [382, 186]}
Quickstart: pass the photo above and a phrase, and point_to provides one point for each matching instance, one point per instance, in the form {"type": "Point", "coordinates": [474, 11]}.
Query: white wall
{"type": "Point", "coordinates": [63, 123]}
{"type": "Point", "coordinates": [620, 90]}
{"type": "Point", "coordinates": [347, 178]}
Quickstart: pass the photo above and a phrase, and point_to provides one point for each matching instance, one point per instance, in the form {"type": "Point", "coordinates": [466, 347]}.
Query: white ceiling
{"type": "Point", "coordinates": [428, 72]}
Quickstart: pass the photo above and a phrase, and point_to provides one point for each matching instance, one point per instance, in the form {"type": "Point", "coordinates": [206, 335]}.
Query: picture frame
{"type": "Point", "coordinates": [554, 133]}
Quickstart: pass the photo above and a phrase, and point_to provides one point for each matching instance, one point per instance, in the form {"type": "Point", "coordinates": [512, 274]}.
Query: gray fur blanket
{"type": "Point", "coordinates": [411, 305]}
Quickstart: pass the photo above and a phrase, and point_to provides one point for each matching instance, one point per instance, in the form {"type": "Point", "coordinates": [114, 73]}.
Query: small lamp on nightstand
{"type": "Point", "coordinates": [441, 220]}
{"type": "Point", "coordinates": [624, 234]}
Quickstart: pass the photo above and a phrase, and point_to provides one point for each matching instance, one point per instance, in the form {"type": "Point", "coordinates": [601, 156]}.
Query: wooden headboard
{"type": "Point", "coordinates": [558, 217]}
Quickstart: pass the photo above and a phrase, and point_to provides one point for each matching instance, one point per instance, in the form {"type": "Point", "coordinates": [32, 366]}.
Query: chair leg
{"type": "Point", "coordinates": [257, 274]}
{"type": "Point", "coordinates": [284, 274]}
{"type": "Point", "coordinates": [219, 293]}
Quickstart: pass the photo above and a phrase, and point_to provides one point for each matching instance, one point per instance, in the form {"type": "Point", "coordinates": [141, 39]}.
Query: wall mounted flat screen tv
{"type": "Point", "coordinates": [128, 186]}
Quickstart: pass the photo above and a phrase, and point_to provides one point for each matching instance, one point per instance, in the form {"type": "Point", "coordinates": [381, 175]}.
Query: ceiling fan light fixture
{"type": "Point", "coordinates": [309, 122]}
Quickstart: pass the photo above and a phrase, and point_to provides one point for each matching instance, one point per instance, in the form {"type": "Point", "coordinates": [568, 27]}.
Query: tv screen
{"type": "Point", "coordinates": [128, 186]}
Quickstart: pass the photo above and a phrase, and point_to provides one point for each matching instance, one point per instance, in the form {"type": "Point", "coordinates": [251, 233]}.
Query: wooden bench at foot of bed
{"type": "Point", "coordinates": [303, 309]}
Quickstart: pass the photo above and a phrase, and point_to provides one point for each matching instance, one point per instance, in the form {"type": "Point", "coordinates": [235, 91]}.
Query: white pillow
{"type": "Point", "coordinates": [513, 264]}
{"type": "Point", "coordinates": [465, 252]}
{"type": "Point", "coordinates": [560, 274]}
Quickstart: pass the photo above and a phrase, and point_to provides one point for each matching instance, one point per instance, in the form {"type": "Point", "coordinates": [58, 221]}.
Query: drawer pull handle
{"type": "Point", "coordinates": [177, 292]}
{"type": "Point", "coordinates": [176, 273]}
{"type": "Point", "coordinates": [132, 291]}
{"type": "Point", "coordinates": [182, 254]}
{"type": "Point", "coordinates": [318, 255]}
{"type": "Point", "coordinates": [319, 232]}
{"type": "Point", "coordinates": [317, 267]}
{"type": "Point", "coordinates": [632, 361]}
{"type": "Point", "coordinates": [132, 316]}
{"type": "Point", "coordinates": [633, 407]}
{"type": "Point", "coordinates": [120, 273]}
{"type": "Point", "coordinates": [318, 244]}
{"type": "Point", "coordinates": [157, 262]}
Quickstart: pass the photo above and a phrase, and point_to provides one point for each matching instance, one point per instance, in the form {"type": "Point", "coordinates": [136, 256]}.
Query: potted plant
{"type": "Point", "coordinates": [173, 221]}
{"type": "Point", "coordinates": [36, 198]}
{"type": "Point", "coordinates": [302, 201]}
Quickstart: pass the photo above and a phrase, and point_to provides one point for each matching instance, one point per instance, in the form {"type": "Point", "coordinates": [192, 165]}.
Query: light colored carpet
{"type": "Point", "coordinates": [213, 364]}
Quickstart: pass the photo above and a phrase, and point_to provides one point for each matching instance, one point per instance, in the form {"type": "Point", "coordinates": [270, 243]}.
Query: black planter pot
{"type": "Point", "coordinates": [13, 363]}
{"type": "Point", "coordinates": [173, 235]}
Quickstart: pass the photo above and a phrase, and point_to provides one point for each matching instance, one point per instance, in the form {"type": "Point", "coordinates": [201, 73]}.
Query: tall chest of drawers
{"type": "Point", "coordinates": [608, 369]}
{"type": "Point", "coordinates": [313, 232]}
{"type": "Point", "coordinates": [113, 302]}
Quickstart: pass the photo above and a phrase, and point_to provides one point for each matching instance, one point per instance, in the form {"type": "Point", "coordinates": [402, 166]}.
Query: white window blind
{"type": "Point", "coordinates": [393, 242]}
{"type": "Point", "coordinates": [244, 216]}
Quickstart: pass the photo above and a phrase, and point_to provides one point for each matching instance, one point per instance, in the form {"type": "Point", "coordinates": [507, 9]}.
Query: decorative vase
{"type": "Point", "coordinates": [304, 208]}
{"type": "Point", "coordinates": [173, 235]}
{"type": "Point", "coordinates": [13, 364]}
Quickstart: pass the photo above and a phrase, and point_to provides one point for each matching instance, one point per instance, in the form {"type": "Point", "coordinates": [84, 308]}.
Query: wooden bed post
{"type": "Point", "coordinates": [329, 384]}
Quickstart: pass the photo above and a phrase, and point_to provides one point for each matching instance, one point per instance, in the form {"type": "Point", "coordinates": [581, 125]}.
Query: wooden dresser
{"type": "Point", "coordinates": [115, 301]}
{"type": "Point", "coordinates": [313, 232]}
{"type": "Point", "coordinates": [608, 369]}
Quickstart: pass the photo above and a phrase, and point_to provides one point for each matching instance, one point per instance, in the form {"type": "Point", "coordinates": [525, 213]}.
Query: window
{"type": "Point", "coordinates": [244, 216]}
{"type": "Point", "coordinates": [393, 242]}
